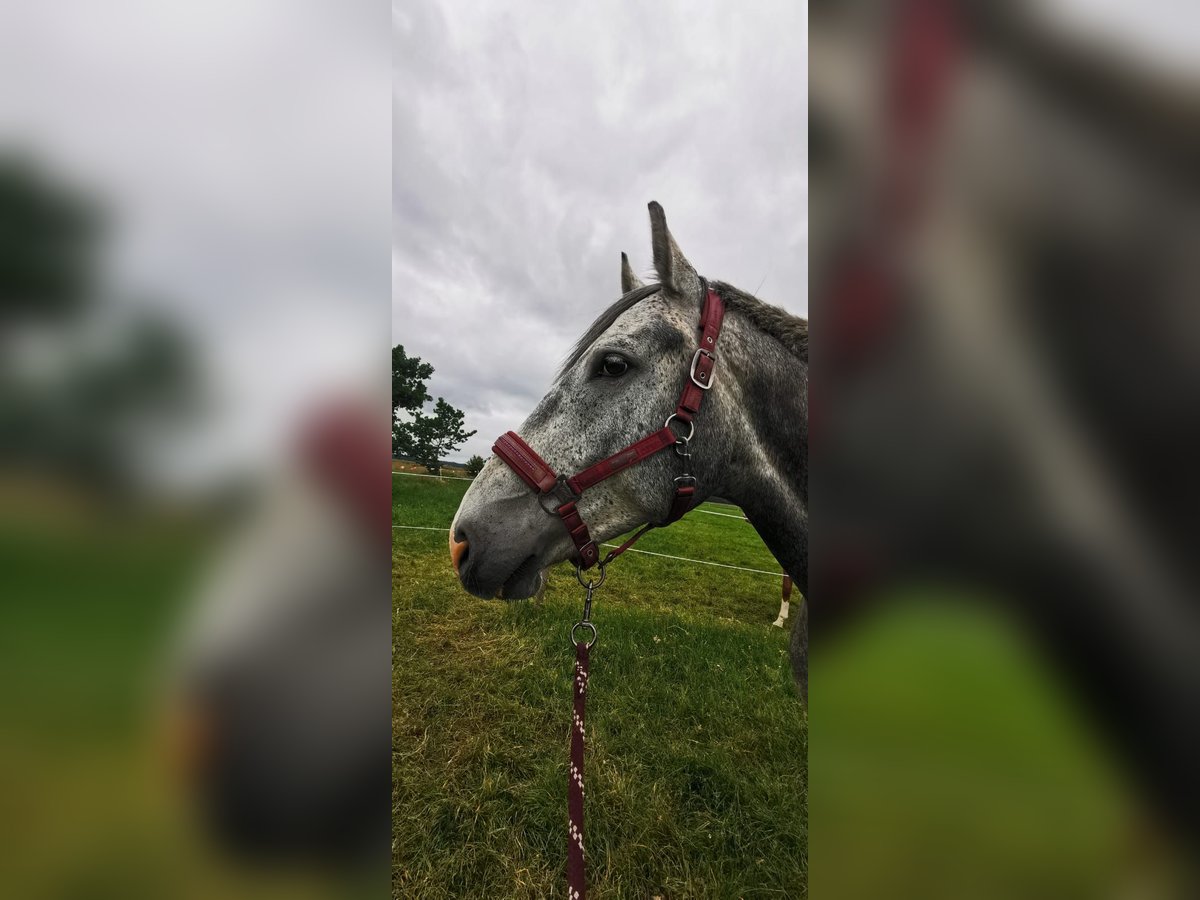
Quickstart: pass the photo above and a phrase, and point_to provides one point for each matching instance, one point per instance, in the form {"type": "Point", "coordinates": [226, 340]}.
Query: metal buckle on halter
{"type": "Point", "coordinates": [692, 373]}
{"type": "Point", "coordinates": [560, 494]}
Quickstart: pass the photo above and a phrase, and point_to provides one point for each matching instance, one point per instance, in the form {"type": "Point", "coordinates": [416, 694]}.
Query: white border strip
{"type": "Point", "coordinates": [699, 562]}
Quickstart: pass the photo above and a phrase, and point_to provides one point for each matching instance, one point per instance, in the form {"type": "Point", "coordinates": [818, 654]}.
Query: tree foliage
{"type": "Point", "coordinates": [475, 465]}
{"type": "Point", "coordinates": [78, 409]}
{"type": "Point", "coordinates": [409, 375]}
{"type": "Point", "coordinates": [51, 250]}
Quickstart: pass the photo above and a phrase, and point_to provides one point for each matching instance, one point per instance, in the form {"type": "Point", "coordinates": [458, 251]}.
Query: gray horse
{"type": "Point", "coordinates": [619, 383]}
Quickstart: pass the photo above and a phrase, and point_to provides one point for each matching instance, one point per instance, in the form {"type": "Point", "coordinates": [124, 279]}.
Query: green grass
{"type": "Point", "coordinates": [696, 765]}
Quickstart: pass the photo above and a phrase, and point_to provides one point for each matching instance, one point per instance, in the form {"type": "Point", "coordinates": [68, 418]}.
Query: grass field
{"type": "Point", "coordinates": [696, 767]}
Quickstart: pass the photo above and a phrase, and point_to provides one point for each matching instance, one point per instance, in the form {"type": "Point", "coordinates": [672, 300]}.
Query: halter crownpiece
{"type": "Point", "coordinates": [559, 494]}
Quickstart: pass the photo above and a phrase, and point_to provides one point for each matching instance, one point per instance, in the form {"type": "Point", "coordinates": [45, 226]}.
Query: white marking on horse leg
{"type": "Point", "coordinates": [783, 614]}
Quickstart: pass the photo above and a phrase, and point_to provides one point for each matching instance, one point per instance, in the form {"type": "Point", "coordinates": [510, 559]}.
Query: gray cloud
{"type": "Point", "coordinates": [526, 146]}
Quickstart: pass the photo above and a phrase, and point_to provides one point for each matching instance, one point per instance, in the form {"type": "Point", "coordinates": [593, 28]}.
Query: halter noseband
{"type": "Point", "coordinates": [558, 493]}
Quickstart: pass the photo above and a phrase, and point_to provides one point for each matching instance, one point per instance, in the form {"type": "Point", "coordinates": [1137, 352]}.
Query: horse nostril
{"type": "Point", "coordinates": [458, 548]}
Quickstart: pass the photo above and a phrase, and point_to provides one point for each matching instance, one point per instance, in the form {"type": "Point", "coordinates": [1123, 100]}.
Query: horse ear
{"type": "Point", "coordinates": [629, 281]}
{"type": "Point", "coordinates": [674, 271]}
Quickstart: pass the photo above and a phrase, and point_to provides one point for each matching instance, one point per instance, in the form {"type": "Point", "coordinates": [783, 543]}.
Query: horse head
{"type": "Point", "coordinates": [620, 383]}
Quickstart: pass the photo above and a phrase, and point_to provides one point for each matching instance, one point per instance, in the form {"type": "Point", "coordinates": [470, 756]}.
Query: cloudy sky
{"type": "Point", "coordinates": [242, 152]}
{"type": "Point", "coordinates": [526, 145]}
{"type": "Point", "coordinates": [242, 149]}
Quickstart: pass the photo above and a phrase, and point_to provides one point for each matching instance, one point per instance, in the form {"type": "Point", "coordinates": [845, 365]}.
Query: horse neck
{"type": "Point", "coordinates": [758, 455]}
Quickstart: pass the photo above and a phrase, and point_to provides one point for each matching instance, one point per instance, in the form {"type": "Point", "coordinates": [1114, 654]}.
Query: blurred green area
{"type": "Point", "coordinates": [93, 806]}
{"type": "Point", "coordinates": [949, 758]}
{"type": "Point", "coordinates": [86, 607]}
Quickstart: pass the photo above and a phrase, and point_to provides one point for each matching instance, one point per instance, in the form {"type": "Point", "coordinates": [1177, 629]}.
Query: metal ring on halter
{"type": "Point", "coordinates": [583, 625]}
{"type": "Point", "coordinates": [691, 427]}
{"type": "Point", "coordinates": [589, 584]}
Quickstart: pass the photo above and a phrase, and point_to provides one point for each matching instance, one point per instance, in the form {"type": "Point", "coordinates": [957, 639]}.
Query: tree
{"type": "Point", "coordinates": [474, 465]}
{"type": "Point", "coordinates": [428, 438]}
{"type": "Point", "coordinates": [79, 409]}
{"type": "Point", "coordinates": [409, 374]}
{"type": "Point", "coordinates": [51, 255]}
{"type": "Point", "coordinates": [425, 438]}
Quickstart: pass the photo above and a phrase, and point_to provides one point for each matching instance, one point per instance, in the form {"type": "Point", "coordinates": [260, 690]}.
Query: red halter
{"type": "Point", "coordinates": [563, 492]}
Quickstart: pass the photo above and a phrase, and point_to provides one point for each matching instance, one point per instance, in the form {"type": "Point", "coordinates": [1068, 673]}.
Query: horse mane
{"type": "Point", "coordinates": [789, 330]}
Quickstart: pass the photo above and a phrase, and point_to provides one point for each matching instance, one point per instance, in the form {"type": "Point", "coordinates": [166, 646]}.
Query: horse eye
{"type": "Point", "coordinates": [613, 366]}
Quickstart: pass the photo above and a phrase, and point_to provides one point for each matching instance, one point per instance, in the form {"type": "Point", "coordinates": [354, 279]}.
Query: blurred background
{"type": "Point", "coordinates": [1004, 257]}
{"type": "Point", "coordinates": [194, 601]}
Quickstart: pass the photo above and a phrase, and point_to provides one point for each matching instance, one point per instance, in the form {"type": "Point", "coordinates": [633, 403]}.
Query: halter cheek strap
{"type": "Point", "coordinates": [562, 493]}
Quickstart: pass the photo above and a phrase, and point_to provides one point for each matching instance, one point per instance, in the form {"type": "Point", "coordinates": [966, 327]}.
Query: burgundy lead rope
{"type": "Point", "coordinates": [576, 883]}
{"type": "Point", "coordinates": [576, 879]}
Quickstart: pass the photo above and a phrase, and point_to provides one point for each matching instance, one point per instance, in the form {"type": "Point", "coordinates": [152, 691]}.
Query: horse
{"type": "Point", "coordinates": [620, 382]}
{"type": "Point", "coordinates": [279, 723]}
{"type": "Point", "coordinates": [1040, 430]}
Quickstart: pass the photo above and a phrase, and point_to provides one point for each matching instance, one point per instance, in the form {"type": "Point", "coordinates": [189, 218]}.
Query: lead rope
{"type": "Point", "coordinates": [576, 875]}
{"type": "Point", "coordinates": [576, 880]}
